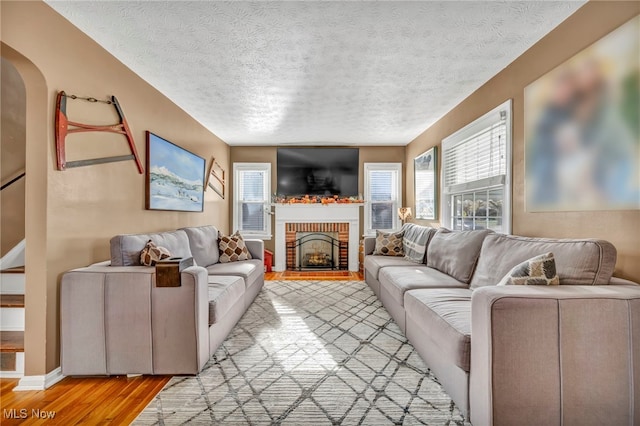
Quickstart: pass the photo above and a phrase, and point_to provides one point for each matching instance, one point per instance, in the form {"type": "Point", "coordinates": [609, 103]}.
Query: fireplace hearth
{"type": "Point", "coordinates": [317, 251]}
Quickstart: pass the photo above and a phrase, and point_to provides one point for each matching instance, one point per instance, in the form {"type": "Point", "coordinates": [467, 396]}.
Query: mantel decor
{"type": "Point", "coordinates": [175, 177]}
{"type": "Point", "coordinates": [307, 199]}
{"type": "Point", "coordinates": [424, 169]}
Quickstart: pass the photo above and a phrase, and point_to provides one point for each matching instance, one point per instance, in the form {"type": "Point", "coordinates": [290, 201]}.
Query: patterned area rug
{"type": "Point", "coordinates": [309, 353]}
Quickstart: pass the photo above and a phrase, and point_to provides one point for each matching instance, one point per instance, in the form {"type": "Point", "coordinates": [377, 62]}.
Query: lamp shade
{"type": "Point", "coordinates": [404, 213]}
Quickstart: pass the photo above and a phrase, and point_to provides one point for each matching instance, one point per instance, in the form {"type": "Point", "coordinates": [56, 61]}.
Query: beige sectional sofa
{"type": "Point", "coordinates": [525, 355]}
{"type": "Point", "coordinates": [114, 320]}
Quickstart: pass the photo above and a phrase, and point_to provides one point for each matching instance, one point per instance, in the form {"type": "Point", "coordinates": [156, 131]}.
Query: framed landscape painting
{"type": "Point", "coordinates": [175, 177]}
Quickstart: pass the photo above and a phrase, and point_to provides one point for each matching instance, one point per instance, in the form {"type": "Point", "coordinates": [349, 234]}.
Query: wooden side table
{"type": "Point", "coordinates": [168, 271]}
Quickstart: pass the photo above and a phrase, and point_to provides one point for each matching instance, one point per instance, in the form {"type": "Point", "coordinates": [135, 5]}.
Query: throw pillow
{"type": "Point", "coordinates": [414, 241]}
{"type": "Point", "coordinates": [151, 253]}
{"type": "Point", "coordinates": [539, 270]}
{"type": "Point", "coordinates": [232, 248]}
{"type": "Point", "coordinates": [389, 243]}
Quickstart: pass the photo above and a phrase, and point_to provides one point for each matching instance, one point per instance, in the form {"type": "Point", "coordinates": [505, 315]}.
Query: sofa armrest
{"type": "Point", "coordinates": [105, 316]}
{"type": "Point", "coordinates": [180, 324]}
{"type": "Point", "coordinates": [538, 355]}
{"type": "Point", "coordinates": [621, 281]}
{"type": "Point", "coordinates": [256, 248]}
{"type": "Point", "coordinates": [112, 321]}
{"type": "Point", "coordinates": [369, 245]}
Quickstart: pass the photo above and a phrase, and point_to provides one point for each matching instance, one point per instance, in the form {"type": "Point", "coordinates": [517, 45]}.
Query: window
{"type": "Point", "coordinates": [251, 202]}
{"type": "Point", "coordinates": [476, 174]}
{"type": "Point", "coordinates": [383, 193]}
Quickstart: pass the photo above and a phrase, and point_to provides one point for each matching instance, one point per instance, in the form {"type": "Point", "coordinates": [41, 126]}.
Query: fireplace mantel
{"type": "Point", "coordinates": [317, 213]}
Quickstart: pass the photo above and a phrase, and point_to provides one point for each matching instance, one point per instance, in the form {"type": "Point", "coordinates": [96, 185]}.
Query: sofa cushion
{"type": "Point", "coordinates": [398, 280]}
{"type": "Point", "coordinates": [539, 270]}
{"type": "Point", "coordinates": [232, 248]}
{"type": "Point", "coordinates": [415, 241]}
{"type": "Point", "coordinates": [224, 292]}
{"type": "Point", "coordinates": [373, 264]}
{"type": "Point", "coordinates": [203, 242]}
{"type": "Point", "coordinates": [581, 262]}
{"type": "Point", "coordinates": [444, 319]}
{"type": "Point", "coordinates": [250, 270]}
{"type": "Point", "coordinates": [389, 244]}
{"type": "Point", "coordinates": [455, 252]}
{"type": "Point", "coordinates": [125, 249]}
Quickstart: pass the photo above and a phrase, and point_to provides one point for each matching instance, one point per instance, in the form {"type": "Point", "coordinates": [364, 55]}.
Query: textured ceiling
{"type": "Point", "coordinates": [319, 73]}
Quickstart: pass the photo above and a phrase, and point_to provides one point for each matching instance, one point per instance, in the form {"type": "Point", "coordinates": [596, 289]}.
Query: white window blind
{"type": "Point", "coordinates": [383, 195]}
{"type": "Point", "coordinates": [477, 160]}
{"type": "Point", "coordinates": [476, 168]}
{"type": "Point", "coordinates": [252, 200]}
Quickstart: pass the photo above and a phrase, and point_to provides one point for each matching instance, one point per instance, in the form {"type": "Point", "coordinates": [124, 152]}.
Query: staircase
{"type": "Point", "coordinates": [12, 280]}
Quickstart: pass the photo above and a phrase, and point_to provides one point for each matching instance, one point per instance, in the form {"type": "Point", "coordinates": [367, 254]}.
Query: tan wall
{"type": "Point", "coordinates": [587, 25]}
{"type": "Point", "coordinates": [84, 207]}
{"type": "Point", "coordinates": [268, 154]}
{"type": "Point", "coordinates": [12, 156]}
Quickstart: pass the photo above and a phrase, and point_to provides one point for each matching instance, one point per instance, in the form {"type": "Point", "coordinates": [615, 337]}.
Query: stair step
{"type": "Point", "coordinates": [12, 283]}
{"type": "Point", "coordinates": [11, 300]}
{"type": "Point", "coordinates": [16, 270]}
{"type": "Point", "coordinates": [11, 341]}
{"type": "Point", "coordinates": [8, 361]}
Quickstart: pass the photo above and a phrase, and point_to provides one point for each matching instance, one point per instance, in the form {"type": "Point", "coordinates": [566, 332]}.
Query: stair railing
{"type": "Point", "coordinates": [13, 179]}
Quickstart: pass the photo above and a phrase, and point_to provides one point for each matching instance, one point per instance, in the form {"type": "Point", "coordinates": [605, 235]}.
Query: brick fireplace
{"type": "Point", "coordinates": [297, 235]}
{"type": "Point", "coordinates": [338, 219]}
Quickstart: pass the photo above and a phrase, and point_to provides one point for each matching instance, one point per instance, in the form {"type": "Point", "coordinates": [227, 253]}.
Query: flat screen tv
{"type": "Point", "coordinates": [318, 171]}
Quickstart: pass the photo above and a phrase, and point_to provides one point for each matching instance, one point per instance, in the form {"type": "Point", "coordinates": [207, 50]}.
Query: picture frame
{"type": "Point", "coordinates": [426, 184]}
{"type": "Point", "coordinates": [581, 129]}
{"type": "Point", "coordinates": [174, 177]}
{"type": "Point", "coordinates": [216, 178]}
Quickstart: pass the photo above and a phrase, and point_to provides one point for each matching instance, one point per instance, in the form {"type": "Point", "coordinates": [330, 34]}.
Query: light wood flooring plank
{"type": "Point", "coordinates": [75, 401]}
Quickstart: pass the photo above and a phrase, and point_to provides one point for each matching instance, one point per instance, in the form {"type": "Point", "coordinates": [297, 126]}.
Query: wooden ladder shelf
{"type": "Point", "coordinates": [62, 130]}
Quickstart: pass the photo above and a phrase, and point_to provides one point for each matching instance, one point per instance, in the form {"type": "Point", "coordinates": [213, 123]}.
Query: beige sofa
{"type": "Point", "coordinates": [114, 320]}
{"type": "Point", "coordinates": [525, 355]}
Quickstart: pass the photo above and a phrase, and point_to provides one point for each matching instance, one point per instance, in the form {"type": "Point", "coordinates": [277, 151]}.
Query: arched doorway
{"type": "Point", "coordinates": [12, 218]}
{"type": "Point", "coordinates": [36, 124]}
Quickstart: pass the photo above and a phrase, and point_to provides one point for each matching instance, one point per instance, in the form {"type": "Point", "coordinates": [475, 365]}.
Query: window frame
{"type": "Point", "coordinates": [265, 234]}
{"type": "Point", "coordinates": [368, 168]}
{"type": "Point", "coordinates": [492, 183]}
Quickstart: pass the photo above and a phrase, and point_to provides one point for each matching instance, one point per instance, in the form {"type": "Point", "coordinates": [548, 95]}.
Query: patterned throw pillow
{"type": "Point", "coordinates": [232, 248]}
{"type": "Point", "coordinates": [151, 253]}
{"type": "Point", "coordinates": [389, 243]}
{"type": "Point", "coordinates": [539, 270]}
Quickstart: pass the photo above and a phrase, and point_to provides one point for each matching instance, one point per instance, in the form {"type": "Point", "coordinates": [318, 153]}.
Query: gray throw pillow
{"type": "Point", "coordinates": [414, 241]}
{"type": "Point", "coordinates": [539, 270]}
{"type": "Point", "coordinates": [389, 243]}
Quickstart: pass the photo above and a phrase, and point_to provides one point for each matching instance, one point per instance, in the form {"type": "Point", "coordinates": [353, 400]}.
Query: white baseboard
{"type": "Point", "coordinates": [29, 383]}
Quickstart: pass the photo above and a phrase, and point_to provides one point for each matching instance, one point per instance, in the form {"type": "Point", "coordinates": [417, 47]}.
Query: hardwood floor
{"type": "Point", "coordinates": [314, 275]}
{"type": "Point", "coordinates": [100, 400]}
{"type": "Point", "coordinates": [75, 401]}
